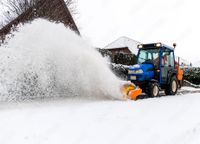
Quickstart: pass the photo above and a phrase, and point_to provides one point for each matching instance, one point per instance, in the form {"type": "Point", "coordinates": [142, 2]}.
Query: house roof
{"type": "Point", "coordinates": [124, 42]}
{"type": "Point", "coordinates": [54, 10]}
{"type": "Point", "coordinates": [119, 49]}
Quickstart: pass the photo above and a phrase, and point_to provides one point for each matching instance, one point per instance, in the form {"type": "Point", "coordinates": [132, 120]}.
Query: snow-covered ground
{"type": "Point", "coordinates": [164, 120]}
{"type": "Point", "coordinates": [192, 89]}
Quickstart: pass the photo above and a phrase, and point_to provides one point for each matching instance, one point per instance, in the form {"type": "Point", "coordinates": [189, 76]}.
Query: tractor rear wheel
{"type": "Point", "coordinates": [153, 90]}
{"type": "Point", "coordinates": [172, 87]}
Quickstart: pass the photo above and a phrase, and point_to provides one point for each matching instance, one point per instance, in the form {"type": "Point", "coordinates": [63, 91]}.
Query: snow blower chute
{"type": "Point", "coordinates": [130, 91]}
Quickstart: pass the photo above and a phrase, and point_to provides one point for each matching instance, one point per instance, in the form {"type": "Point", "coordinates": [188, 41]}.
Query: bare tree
{"type": "Point", "coordinates": [15, 8]}
{"type": "Point", "coordinates": [71, 4]}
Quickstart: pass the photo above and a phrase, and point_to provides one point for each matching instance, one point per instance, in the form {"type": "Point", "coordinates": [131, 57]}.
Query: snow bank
{"type": "Point", "coordinates": [45, 59]}
{"type": "Point", "coordinates": [165, 120]}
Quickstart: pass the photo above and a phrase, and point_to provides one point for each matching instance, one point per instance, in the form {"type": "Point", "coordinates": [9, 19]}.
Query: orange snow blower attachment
{"type": "Point", "coordinates": [130, 91]}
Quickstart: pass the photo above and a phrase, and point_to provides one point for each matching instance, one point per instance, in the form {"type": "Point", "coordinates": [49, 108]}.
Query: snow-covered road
{"type": "Point", "coordinates": [164, 120]}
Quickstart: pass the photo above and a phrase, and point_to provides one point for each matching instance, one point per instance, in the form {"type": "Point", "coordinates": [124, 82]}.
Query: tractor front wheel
{"type": "Point", "coordinates": [153, 90]}
{"type": "Point", "coordinates": [172, 87]}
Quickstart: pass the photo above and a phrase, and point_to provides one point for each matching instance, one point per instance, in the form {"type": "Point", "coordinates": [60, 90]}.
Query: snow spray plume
{"type": "Point", "coordinates": [45, 59]}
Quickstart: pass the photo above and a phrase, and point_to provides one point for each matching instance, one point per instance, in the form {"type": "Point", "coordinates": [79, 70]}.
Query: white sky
{"type": "Point", "coordinates": [167, 21]}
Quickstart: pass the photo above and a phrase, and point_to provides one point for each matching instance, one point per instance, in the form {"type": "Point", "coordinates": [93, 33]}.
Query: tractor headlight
{"type": "Point", "coordinates": [140, 71]}
{"type": "Point", "coordinates": [158, 45]}
{"type": "Point", "coordinates": [140, 46]}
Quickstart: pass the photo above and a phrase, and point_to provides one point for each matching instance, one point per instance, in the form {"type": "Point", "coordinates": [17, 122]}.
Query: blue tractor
{"type": "Point", "coordinates": [155, 70]}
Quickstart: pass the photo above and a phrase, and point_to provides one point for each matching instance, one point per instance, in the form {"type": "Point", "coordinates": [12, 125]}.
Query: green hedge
{"type": "Point", "coordinates": [192, 75]}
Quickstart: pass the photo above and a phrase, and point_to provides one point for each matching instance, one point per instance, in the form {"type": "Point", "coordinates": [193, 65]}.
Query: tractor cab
{"type": "Point", "coordinates": [155, 69]}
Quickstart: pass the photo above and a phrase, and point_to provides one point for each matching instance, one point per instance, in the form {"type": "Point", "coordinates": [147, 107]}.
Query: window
{"type": "Point", "coordinates": [148, 54]}
{"type": "Point", "coordinates": [168, 58]}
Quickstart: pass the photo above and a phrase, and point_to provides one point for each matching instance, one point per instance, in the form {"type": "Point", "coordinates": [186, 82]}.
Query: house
{"type": "Point", "coordinates": [123, 51]}
{"type": "Point", "coordinates": [53, 10]}
{"type": "Point", "coordinates": [123, 45]}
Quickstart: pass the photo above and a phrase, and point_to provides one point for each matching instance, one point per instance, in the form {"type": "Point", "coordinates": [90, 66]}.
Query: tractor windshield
{"type": "Point", "coordinates": [149, 56]}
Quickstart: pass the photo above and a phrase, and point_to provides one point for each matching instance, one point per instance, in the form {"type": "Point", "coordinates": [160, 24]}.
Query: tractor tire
{"type": "Point", "coordinates": [153, 89]}
{"type": "Point", "coordinates": [172, 87]}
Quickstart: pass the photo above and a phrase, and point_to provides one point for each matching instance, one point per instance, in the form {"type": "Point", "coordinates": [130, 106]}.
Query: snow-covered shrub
{"type": "Point", "coordinates": [105, 52]}
{"type": "Point", "coordinates": [125, 59]}
{"type": "Point", "coordinates": [192, 75]}
{"type": "Point", "coordinates": [119, 58]}
{"type": "Point", "coordinates": [119, 70]}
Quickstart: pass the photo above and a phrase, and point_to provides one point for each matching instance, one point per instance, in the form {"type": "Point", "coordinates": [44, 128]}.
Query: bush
{"type": "Point", "coordinates": [119, 58]}
{"type": "Point", "coordinates": [192, 75]}
{"type": "Point", "coordinates": [125, 59]}
{"type": "Point", "coordinates": [119, 70]}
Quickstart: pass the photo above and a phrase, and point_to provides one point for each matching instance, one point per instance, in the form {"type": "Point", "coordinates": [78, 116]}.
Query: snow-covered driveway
{"type": "Point", "coordinates": [165, 120]}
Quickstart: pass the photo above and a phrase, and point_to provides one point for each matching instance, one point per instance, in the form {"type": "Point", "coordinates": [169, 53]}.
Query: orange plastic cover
{"type": "Point", "coordinates": [130, 91]}
{"type": "Point", "coordinates": [133, 94]}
